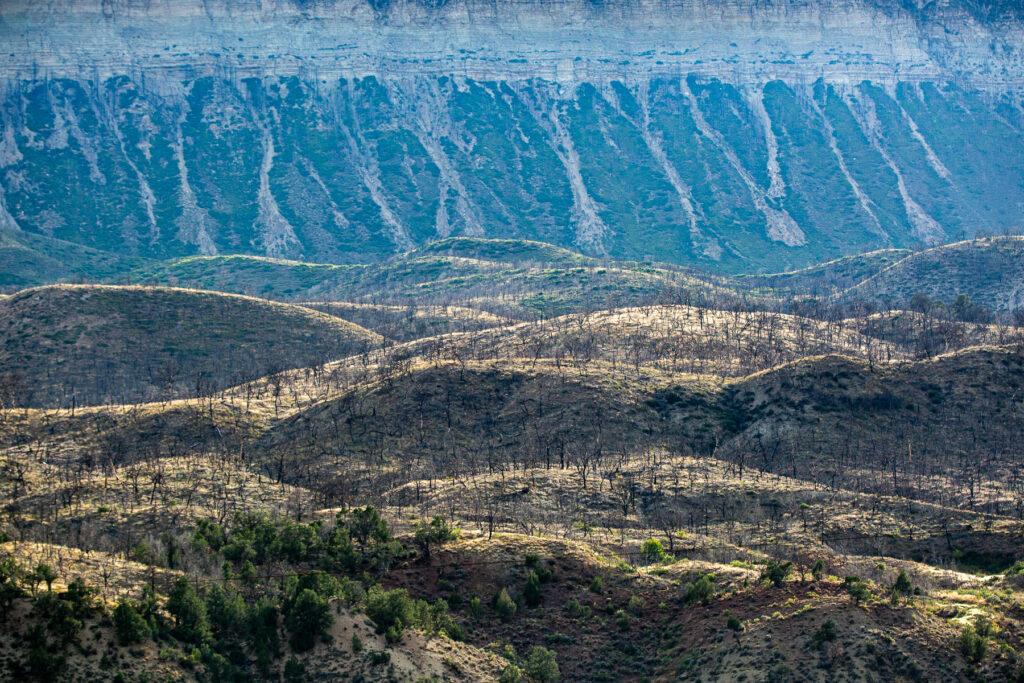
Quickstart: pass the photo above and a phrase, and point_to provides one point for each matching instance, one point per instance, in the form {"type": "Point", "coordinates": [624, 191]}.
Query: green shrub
{"type": "Point", "coordinates": [43, 573]}
{"type": "Point", "coordinates": [511, 674]}
{"type": "Point", "coordinates": [10, 589]}
{"type": "Point", "coordinates": [635, 604]}
{"type": "Point", "coordinates": [390, 609]}
{"type": "Point", "coordinates": [436, 532]}
{"type": "Point", "coordinates": [129, 624]}
{"type": "Point", "coordinates": [818, 570]}
{"type": "Point", "coordinates": [597, 585]}
{"type": "Point", "coordinates": [475, 606]}
{"type": "Point", "coordinates": [227, 611]}
{"type": "Point", "coordinates": [308, 618]}
{"type": "Point", "coordinates": [857, 589]}
{"type": "Point", "coordinates": [902, 586]}
{"type": "Point", "coordinates": [972, 645]}
{"type": "Point", "coordinates": [622, 619]}
{"type": "Point", "coordinates": [263, 620]}
{"type": "Point", "coordinates": [776, 572]}
{"type": "Point", "coordinates": [504, 605]}
{"type": "Point", "coordinates": [188, 610]}
{"type": "Point", "coordinates": [701, 590]}
{"type": "Point", "coordinates": [732, 623]}
{"type": "Point", "coordinates": [531, 592]}
{"type": "Point", "coordinates": [541, 665]}
{"type": "Point", "coordinates": [652, 551]}
{"type": "Point", "coordinates": [826, 633]}
{"type": "Point", "coordinates": [294, 671]}
{"type": "Point", "coordinates": [578, 610]}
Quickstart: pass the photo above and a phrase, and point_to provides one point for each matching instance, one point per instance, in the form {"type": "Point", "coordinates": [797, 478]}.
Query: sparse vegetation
{"type": "Point", "coordinates": [629, 491]}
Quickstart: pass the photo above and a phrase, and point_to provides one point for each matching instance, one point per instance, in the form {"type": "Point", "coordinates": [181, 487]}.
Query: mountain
{"type": "Point", "coordinates": [735, 135]}
{"type": "Point", "coordinates": [67, 345]}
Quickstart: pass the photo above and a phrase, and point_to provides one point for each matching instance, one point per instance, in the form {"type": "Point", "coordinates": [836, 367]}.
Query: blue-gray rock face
{"type": "Point", "coordinates": [731, 134]}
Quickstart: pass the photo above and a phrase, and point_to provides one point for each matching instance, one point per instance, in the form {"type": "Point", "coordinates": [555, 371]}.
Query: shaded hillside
{"type": "Point", "coordinates": [944, 429]}
{"type": "Point", "coordinates": [405, 323]}
{"type": "Point", "coordinates": [471, 416]}
{"type": "Point", "coordinates": [28, 260]}
{"type": "Point", "coordinates": [947, 428]}
{"type": "Point", "coordinates": [504, 250]}
{"type": "Point", "coordinates": [826, 278]}
{"type": "Point", "coordinates": [506, 277]}
{"type": "Point", "coordinates": [990, 271]}
{"type": "Point", "coordinates": [99, 344]}
{"type": "Point", "coordinates": [251, 275]}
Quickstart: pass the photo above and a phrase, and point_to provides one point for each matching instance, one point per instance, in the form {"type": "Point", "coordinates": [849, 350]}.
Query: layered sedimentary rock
{"type": "Point", "coordinates": [740, 135]}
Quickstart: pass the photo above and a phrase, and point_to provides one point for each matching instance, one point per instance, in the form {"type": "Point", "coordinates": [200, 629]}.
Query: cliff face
{"type": "Point", "coordinates": [736, 134]}
{"type": "Point", "coordinates": [580, 40]}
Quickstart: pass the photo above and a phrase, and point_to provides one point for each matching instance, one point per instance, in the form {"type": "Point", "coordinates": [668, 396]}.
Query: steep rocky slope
{"type": "Point", "coordinates": [737, 135]}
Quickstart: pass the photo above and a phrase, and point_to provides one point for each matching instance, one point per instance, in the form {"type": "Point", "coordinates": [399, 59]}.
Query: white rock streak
{"type": "Point", "coordinates": [777, 187]}
{"type": "Point", "coordinates": [924, 226]}
{"type": "Point", "coordinates": [276, 233]}
{"type": "Point", "coordinates": [422, 104]}
{"type": "Point", "coordinates": [340, 220]}
{"type": "Point", "coordinates": [369, 173]}
{"type": "Point", "coordinates": [590, 229]}
{"type": "Point", "coordinates": [933, 159]}
{"type": "Point", "coordinates": [706, 244]}
{"type": "Point", "coordinates": [781, 226]}
{"type": "Point", "coordinates": [194, 224]}
{"type": "Point", "coordinates": [7, 221]}
{"type": "Point", "coordinates": [862, 199]}
{"type": "Point", "coordinates": [146, 195]}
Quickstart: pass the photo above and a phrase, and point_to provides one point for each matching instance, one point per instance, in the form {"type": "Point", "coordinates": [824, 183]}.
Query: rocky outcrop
{"type": "Point", "coordinates": [560, 40]}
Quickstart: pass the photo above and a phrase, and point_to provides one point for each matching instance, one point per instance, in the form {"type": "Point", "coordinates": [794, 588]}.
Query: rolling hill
{"type": "Point", "coordinates": [990, 271]}
{"type": "Point", "coordinates": [676, 338]}
{"type": "Point", "coordinates": [66, 345]}
{"type": "Point", "coordinates": [406, 323]}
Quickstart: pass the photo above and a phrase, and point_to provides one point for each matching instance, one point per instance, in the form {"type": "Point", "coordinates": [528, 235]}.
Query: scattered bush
{"type": "Point", "coordinates": [129, 623]}
{"type": "Point", "coordinates": [635, 605]}
{"type": "Point", "coordinates": [511, 674]}
{"type": "Point", "coordinates": [390, 609]}
{"type": "Point", "coordinates": [577, 610]}
{"type": "Point", "coordinates": [972, 645]}
{"type": "Point", "coordinates": [732, 623]}
{"type": "Point", "coordinates": [541, 665]}
{"type": "Point", "coordinates": [188, 610]}
{"type": "Point", "coordinates": [436, 532]}
{"type": "Point", "coordinates": [531, 592]}
{"type": "Point", "coordinates": [902, 586]}
{"type": "Point", "coordinates": [701, 590]}
{"type": "Point", "coordinates": [294, 671]}
{"type": "Point", "coordinates": [597, 585]}
{"type": "Point", "coordinates": [776, 572]}
{"type": "Point", "coordinates": [826, 633]}
{"type": "Point", "coordinates": [504, 605]}
{"type": "Point", "coordinates": [652, 551]}
{"type": "Point", "coordinates": [308, 618]}
{"type": "Point", "coordinates": [475, 606]}
{"type": "Point", "coordinates": [857, 589]}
